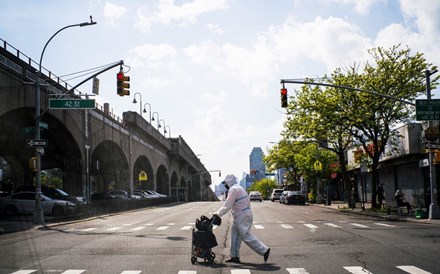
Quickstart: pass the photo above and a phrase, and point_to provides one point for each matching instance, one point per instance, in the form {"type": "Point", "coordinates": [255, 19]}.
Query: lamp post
{"type": "Point", "coordinates": [149, 110]}
{"type": "Point", "coordinates": [140, 103]}
{"type": "Point", "coordinates": [152, 119]}
{"type": "Point", "coordinates": [169, 131]}
{"type": "Point", "coordinates": [38, 217]}
{"type": "Point", "coordinates": [162, 120]}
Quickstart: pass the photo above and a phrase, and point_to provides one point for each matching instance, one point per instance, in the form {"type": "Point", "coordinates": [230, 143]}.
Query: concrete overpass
{"type": "Point", "coordinates": [94, 149]}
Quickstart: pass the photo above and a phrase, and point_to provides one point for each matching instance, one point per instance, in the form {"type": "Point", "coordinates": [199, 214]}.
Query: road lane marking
{"type": "Point", "coordinates": [149, 224]}
{"type": "Point", "coordinates": [113, 228]}
{"type": "Point", "coordinates": [311, 226]}
{"type": "Point", "coordinates": [171, 223]}
{"type": "Point", "coordinates": [332, 225]}
{"type": "Point", "coordinates": [73, 271]}
{"type": "Point", "coordinates": [138, 228]}
{"type": "Point", "coordinates": [240, 271]}
{"type": "Point", "coordinates": [286, 226]}
{"type": "Point", "coordinates": [162, 227]}
{"type": "Point", "coordinates": [297, 271]}
{"type": "Point", "coordinates": [187, 227]}
{"type": "Point", "coordinates": [412, 269]}
{"type": "Point", "coordinates": [357, 270]}
{"type": "Point", "coordinates": [259, 227]}
{"type": "Point", "coordinates": [24, 271]}
{"type": "Point", "coordinates": [359, 225]}
{"type": "Point", "coordinates": [88, 229]}
{"type": "Point", "coordinates": [131, 272]}
{"type": "Point", "coordinates": [387, 225]}
{"type": "Point", "coordinates": [187, 272]}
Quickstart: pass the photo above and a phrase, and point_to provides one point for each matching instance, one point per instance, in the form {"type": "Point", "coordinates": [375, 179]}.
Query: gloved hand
{"type": "Point", "coordinates": [216, 220]}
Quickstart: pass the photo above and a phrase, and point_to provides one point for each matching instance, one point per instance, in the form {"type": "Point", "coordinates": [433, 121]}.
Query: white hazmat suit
{"type": "Point", "coordinates": [238, 203]}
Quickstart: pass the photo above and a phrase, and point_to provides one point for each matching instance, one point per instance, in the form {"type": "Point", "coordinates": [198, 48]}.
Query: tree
{"type": "Point", "coordinates": [313, 116]}
{"type": "Point", "coordinates": [264, 186]}
{"type": "Point", "coordinates": [395, 72]}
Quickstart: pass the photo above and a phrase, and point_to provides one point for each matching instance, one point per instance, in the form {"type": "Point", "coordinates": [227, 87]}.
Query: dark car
{"type": "Point", "coordinates": [53, 193]}
{"type": "Point", "coordinates": [294, 197]}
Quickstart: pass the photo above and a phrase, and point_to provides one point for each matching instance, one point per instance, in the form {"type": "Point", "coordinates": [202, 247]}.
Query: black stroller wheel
{"type": "Point", "coordinates": [210, 258]}
{"type": "Point", "coordinates": [193, 259]}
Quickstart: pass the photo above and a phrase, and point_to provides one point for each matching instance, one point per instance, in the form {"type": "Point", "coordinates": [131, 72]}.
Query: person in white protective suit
{"type": "Point", "coordinates": [238, 203]}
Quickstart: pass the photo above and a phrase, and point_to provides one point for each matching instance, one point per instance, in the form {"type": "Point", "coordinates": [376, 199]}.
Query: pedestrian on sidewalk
{"type": "Point", "coordinates": [399, 195]}
{"type": "Point", "coordinates": [380, 195]}
{"type": "Point", "coordinates": [238, 203]}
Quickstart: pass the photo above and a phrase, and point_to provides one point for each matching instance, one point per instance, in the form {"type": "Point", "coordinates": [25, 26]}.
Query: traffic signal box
{"type": "Point", "coordinates": [284, 98]}
{"type": "Point", "coordinates": [122, 84]}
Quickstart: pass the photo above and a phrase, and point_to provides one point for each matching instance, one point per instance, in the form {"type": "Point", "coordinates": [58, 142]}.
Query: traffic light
{"type": "Point", "coordinates": [283, 97]}
{"type": "Point", "coordinates": [122, 84]}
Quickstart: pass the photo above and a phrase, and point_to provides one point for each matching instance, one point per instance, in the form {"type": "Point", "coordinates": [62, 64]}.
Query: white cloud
{"type": "Point", "coordinates": [360, 6]}
{"type": "Point", "coordinates": [425, 14]}
{"type": "Point", "coordinates": [113, 12]}
{"type": "Point", "coordinates": [215, 28]}
{"type": "Point", "coordinates": [154, 56]}
{"type": "Point", "coordinates": [184, 14]}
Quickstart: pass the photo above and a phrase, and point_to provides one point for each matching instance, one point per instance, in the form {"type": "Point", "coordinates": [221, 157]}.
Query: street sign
{"type": "Point", "coordinates": [37, 142]}
{"type": "Point", "coordinates": [32, 129]}
{"type": "Point", "coordinates": [72, 103]}
{"type": "Point", "coordinates": [427, 109]}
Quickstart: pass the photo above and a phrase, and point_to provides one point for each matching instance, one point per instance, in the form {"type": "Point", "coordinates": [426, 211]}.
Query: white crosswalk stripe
{"type": "Point", "coordinates": [311, 226]}
{"type": "Point", "coordinates": [240, 271]}
{"type": "Point", "coordinates": [412, 269]}
{"type": "Point", "coordinates": [286, 226]}
{"type": "Point", "coordinates": [73, 271]}
{"type": "Point", "coordinates": [131, 272]}
{"type": "Point", "coordinates": [357, 270]}
{"type": "Point", "coordinates": [138, 228]}
{"type": "Point", "coordinates": [187, 272]}
{"type": "Point", "coordinates": [24, 272]}
{"type": "Point", "coordinates": [259, 227]}
{"type": "Point", "coordinates": [359, 225]}
{"type": "Point", "coordinates": [333, 225]}
{"type": "Point", "coordinates": [163, 227]}
{"type": "Point", "coordinates": [382, 224]}
{"type": "Point", "coordinates": [113, 228]}
{"type": "Point", "coordinates": [297, 271]}
{"type": "Point", "coordinates": [187, 227]}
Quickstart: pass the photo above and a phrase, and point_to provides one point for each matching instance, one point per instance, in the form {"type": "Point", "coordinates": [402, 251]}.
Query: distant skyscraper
{"type": "Point", "coordinates": [257, 169]}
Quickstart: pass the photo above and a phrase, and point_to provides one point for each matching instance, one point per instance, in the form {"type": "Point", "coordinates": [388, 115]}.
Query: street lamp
{"type": "Point", "coordinates": [169, 131]}
{"type": "Point", "coordinates": [38, 217]}
{"type": "Point", "coordinates": [149, 110]}
{"type": "Point", "coordinates": [152, 119]}
{"type": "Point", "coordinates": [140, 103]}
{"type": "Point", "coordinates": [159, 126]}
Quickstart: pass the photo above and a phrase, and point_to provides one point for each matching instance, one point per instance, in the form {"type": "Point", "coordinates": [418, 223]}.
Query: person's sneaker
{"type": "Point", "coordinates": [266, 255]}
{"type": "Point", "coordinates": [233, 260]}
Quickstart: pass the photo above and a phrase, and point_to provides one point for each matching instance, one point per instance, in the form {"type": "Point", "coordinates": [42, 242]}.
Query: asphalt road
{"type": "Point", "coordinates": [303, 239]}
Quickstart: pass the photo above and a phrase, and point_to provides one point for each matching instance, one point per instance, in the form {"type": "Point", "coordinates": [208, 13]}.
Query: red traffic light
{"type": "Point", "coordinates": [120, 76]}
{"type": "Point", "coordinates": [284, 91]}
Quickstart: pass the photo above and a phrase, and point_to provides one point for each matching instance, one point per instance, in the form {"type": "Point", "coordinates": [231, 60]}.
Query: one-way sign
{"type": "Point", "coordinates": [37, 142]}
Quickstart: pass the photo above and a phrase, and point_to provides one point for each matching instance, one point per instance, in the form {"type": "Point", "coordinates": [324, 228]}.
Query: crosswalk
{"type": "Point", "coordinates": [296, 270]}
{"type": "Point", "coordinates": [312, 226]}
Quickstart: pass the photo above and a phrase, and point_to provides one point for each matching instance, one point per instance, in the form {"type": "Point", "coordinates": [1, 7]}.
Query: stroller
{"type": "Point", "coordinates": [203, 240]}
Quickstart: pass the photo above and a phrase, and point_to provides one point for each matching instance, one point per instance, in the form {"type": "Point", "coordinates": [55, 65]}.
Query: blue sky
{"type": "Point", "coordinates": [211, 68]}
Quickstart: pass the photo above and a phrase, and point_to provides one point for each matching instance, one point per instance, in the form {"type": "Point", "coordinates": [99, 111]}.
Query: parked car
{"type": "Point", "coordinates": [119, 194]}
{"type": "Point", "coordinates": [255, 195]}
{"type": "Point", "coordinates": [102, 196]}
{"type": "Point", "coordinates": [155, 194]}
{"type": "Point", "coordinates": [294, 197]}
{"type": "Point", "coordinates": [53, 193]}
{"type": "Point", "coordinates": [24, 203]}
{"type": "Point", "coordinates": [276, 193]}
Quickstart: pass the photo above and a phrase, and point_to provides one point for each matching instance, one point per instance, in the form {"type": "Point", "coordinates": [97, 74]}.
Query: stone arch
{"type": "Point", "coordinates": [62, 152]}
{"type": "Point", "coordinates": [109, 168]}
{"type": "Point", "coordinates": [143, 164]}
{"type": "Point", "coordinates": [162, 180]}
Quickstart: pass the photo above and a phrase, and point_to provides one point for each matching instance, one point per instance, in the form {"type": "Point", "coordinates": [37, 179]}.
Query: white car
{"type": "Point", "coordinates": [24, 203]}
{"type": "Point", "coordinates": [255, 195]}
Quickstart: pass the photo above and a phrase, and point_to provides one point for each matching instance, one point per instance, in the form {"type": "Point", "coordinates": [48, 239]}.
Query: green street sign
{"type": "Point", "coordinates": [427, 109]}
{"type": "Point", "coordinates": [72, 103]}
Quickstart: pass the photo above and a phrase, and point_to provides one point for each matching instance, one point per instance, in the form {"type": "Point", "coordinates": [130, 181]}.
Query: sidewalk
{"type": "Point", "coordinates": [393, 216]}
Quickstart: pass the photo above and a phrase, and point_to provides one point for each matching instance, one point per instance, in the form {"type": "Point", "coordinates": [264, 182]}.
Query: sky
{"type": "Point", "coordinates": [211, 69]}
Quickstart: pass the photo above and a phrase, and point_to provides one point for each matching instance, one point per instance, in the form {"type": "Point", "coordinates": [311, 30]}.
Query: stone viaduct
{"type": "Point", "coordinates": [91, 148]}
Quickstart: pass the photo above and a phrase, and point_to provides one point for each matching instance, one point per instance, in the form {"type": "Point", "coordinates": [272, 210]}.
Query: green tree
{"type": "Point", "coordinates": [396, 73]}
{"type": "Point", "coordinates": [264, 186]}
